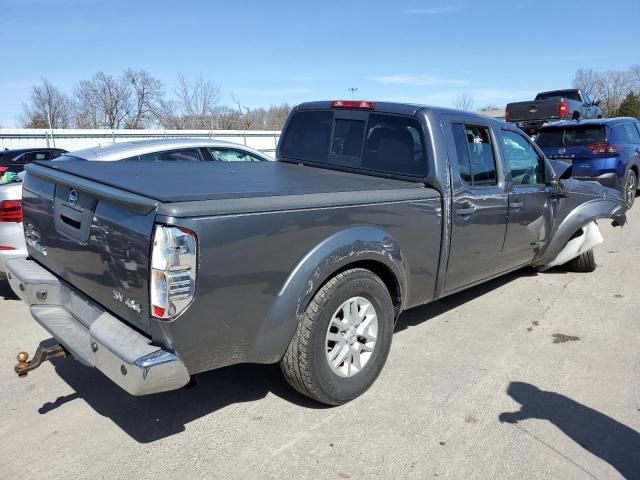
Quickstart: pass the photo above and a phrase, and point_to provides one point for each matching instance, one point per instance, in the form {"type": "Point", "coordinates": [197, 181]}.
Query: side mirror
{"type": "Point", "coordinates": [556, 188]}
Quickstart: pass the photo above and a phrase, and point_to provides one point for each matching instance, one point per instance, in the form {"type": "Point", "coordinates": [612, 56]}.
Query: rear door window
{"type": "Point", "coordinates": [632, 133]}
{"type": "Point", "coordinates": [476, 158]}
{"type": "Point", "coordinates": [183, 154]}
{"type": "Point", "coordinates": [366, 141]}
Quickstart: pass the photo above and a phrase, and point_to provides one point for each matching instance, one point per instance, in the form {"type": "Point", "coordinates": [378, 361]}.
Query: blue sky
{"type": "Point", "coordinates": [267, 52]}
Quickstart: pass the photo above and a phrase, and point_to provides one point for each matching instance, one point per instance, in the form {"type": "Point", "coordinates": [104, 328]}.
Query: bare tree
{"type": "Point", "coordinates": [616, 85]}
{"type": "Point", "coordinates": [608, 88]}
{"type": "Point", "coordinates": [589, 82]}
{"type": "Point", "coordinates": [196, 101]}
{"type": "Point", "coordinates": [146, 95]}
{"type": "Point", "coordinates": [47, 107]}
{"type": "Point", "coordinates": [463, 101]}
{"type": "Point", "coordinates": [247, 120]}
{"type": "Point", "coordinates": [276, 116]}
{"type": "Point", "coordinates": [103, 101]}
{"type": "Point", "coordinates": [168, 115]}
{"type": "Point", "coordinates": [635, 78]}
{"type": "Point", "coordinates": [226, 118]}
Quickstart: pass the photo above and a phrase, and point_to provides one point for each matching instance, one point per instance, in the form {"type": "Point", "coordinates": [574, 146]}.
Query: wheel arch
{"type": "Point", "coordinates": [580, 216]}
{"type": "Point", "coordinates": [356, 247]}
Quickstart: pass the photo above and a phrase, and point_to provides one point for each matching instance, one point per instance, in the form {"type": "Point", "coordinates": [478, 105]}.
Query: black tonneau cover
{"type": "Point", "coordinates": [185, 181]}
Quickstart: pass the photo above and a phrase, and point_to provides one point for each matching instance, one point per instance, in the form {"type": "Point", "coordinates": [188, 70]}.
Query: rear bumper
{"type": "Point", "coordinates": [93, 336]}
{"type": "Point", "coordinates": [609, 180]}
{"type": "Point", "coordinates": [6, 255]}
{"type": "Point", "coordinates": [533, 126]}
{"type": "Point", "coordinates": [11, 236]}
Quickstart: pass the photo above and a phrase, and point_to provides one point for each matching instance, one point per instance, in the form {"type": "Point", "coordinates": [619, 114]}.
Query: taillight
{"type": "Point", "coordinates": [606, 148]}
{"type": "Point", "coordinates": [352, 104]}
{"type": "Point", "coordinates": [563, 108]}
{"type": "Point", "coordinates": [173, 270]}
{"type": "Point", "coordinates": [11, 211]}
{"type": "Point", "coordinates": [506, 114]}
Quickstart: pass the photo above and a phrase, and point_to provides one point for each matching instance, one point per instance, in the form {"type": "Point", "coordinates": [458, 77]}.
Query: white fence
{"type": "Point", "coordinates": [75, 139]}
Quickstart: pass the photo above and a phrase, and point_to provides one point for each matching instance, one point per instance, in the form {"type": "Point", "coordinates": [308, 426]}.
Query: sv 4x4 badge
{"type": "Point", "coordinates": [129, 302]}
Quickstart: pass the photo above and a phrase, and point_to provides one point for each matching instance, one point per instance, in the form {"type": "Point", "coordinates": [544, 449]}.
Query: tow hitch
{"type": "Point", "coordinates": [47, 350]}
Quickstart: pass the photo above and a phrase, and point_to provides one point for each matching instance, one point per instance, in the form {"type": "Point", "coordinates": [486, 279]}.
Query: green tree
{"type": "Point", "coordinates": [630, 106]}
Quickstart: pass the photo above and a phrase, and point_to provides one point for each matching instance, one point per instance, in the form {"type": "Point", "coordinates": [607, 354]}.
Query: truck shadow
{"type": "Point", "coordinates": [599, 434]}
{"type": "Point", "coordinates": [150, 418]}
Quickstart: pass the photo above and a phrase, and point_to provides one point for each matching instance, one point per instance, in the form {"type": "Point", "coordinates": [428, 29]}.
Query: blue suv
{"type": "Point", "coordinates": [606, 150]}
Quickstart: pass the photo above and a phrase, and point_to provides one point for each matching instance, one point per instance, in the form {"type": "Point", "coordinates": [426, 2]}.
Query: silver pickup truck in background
{"type": "Point", "coordinates": [547, 107]}
{"type": "Point", "coordinates": [155, 272]}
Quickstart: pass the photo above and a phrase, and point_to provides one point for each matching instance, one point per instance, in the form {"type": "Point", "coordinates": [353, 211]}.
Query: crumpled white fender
{"type": "Point", "coordinates": [575, 247]}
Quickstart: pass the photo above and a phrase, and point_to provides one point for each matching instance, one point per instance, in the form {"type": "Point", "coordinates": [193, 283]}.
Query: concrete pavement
{"type": "Point", "coordinates": [534, 375]}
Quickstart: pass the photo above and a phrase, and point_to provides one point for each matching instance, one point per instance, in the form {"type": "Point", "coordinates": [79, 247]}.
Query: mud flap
{"type": "Point", "coordinates": [590, 238]}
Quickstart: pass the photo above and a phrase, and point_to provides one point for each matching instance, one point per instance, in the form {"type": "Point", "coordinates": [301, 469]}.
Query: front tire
{"type": "Point", "coordinates": [585, 262]}
{"type": "Point", "coordinates": [343, 339]}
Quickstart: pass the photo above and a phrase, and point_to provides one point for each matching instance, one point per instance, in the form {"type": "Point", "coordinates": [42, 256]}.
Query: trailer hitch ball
{"type": "Point", "coordinates": [47, 350]}
{"type": "Point", "coordinates": [22, 364]}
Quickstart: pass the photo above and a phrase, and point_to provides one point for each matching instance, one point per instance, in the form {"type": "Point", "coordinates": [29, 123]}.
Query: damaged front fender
{"type": "Point", "coordinates": [583, 203]}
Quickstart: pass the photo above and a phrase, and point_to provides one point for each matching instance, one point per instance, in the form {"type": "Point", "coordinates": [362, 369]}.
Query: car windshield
{"type": "Point", "coordinates": [572, 136]}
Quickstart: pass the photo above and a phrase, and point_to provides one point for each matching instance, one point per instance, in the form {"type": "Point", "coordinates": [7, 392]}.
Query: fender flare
{"type": "Point", "coordinates": [345, 247]}
{"type": "Point", "coordinates": [590, 211]}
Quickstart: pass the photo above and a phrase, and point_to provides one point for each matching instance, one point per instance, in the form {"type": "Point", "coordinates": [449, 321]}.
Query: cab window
{"type": "Point", "coordinates": [526, 165]}
{"type": "Point", "coordinates": [476, 159]}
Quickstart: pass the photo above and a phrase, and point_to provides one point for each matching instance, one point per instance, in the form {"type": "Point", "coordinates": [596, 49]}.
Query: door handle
{"type": "Point", "coordinates": [516, 204]}
{"type": "Point", "coordinates": [466, 208]}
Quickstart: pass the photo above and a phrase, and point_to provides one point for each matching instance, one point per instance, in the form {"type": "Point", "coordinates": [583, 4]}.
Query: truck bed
{"type": "Point", "coordinates": [171, 182]}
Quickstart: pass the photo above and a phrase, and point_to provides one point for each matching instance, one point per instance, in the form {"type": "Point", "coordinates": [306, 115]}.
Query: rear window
{"type": "Point", "coordinates": [569, 94]}
{"type": "Point", "coordinates": [374, 141]}
{"type": "Point", "coordinates": [572, 136]}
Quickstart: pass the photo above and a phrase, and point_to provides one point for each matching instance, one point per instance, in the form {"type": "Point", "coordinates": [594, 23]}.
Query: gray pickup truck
{"type": "Point", "coordinates": [153, 273]}
{"type": "Point", "coordinates": [547, 107]}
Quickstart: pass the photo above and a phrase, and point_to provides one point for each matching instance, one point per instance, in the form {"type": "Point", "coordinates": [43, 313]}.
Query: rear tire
{"type": "Point", "coordinates": [630, 188]}
{"type": "Point", "coordinates": [307, 365]}
{"type": "Point", "coordinates": [583, 263]}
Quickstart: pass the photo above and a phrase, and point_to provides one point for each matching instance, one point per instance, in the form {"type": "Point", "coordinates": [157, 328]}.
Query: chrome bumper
{"type": "Point", "coordinates": [93, 336]}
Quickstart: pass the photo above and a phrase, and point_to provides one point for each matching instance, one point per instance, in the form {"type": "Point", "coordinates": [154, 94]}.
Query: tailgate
{"type": "Point", "coordinates": [534, 110]}
{"type": "Point", "coordinates": [97, 238]}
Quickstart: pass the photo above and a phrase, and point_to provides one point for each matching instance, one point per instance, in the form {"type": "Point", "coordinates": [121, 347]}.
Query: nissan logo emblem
{"type": "Point", "coordinates": [73, 196]}
{"type": "Point", "coordinates": [562, 150]}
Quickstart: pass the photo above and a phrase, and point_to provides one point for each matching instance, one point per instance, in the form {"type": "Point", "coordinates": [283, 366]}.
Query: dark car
{"type": "Point", "coordinates": [15, 160]}
{"type": "Point", "coordinates": [605, 150]}
{"type": "Point", "coordinates": [549, 107]}
{"type": "Point", "coordinates": [152, 272]}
